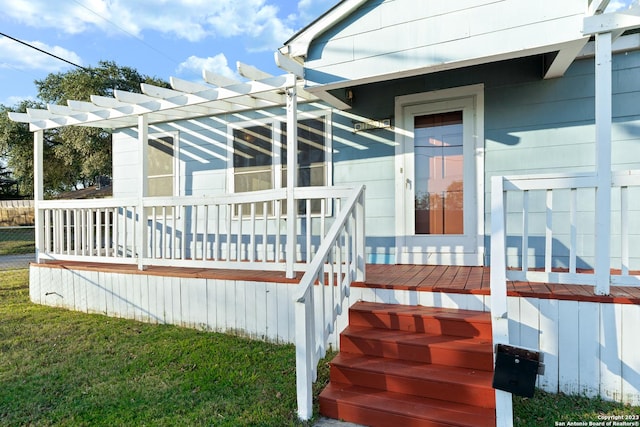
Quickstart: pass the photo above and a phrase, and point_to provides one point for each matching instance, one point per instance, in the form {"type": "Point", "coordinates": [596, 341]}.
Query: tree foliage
{"type": "Point", "coordinates": [73, 156]}
{"type": "Point", "coordinates": [8, 185]}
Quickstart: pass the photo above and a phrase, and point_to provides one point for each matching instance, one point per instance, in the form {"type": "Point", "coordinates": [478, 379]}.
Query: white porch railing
{"type": "Point", "coordinates": [550, 234]}
{"type": "Point", "coordinates": [339, 261]}
{"type": "Point", "coordinates": [244, 231]}
{"type": "Point", "coordinates": [544, 229]}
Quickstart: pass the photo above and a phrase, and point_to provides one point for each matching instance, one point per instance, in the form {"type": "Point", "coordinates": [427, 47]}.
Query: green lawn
{"type": "Point", "coordinates": [61, 367]}
{"type": "Point", "coordinates": [17, 240]}
{"type": "Point", "coordinates": [65, 368]}
{"type": "Point", "coordinates": [546, 409]}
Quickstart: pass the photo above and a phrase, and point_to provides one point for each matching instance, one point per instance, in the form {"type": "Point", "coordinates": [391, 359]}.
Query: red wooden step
{"type": "Point", "coordinates": [472, 387]}
{"type": "Point", "coordinates": [384, 408]}
{"type": "Point", "coordinates": [471, 353]}
{"type": "Point", "coordinates": [463, 323]}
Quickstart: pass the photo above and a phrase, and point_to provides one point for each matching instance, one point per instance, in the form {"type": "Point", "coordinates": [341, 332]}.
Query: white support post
{"type": "Point", "coordinates": [603, 163]}
{"type": "Point", "coordinates": [38, 190]}
{"type": "Point", "coordinates": [360, 236]}
{"type": "Point", "coordinates": [498, 283]}
{"type": "Point", "coordinates": [304, 359]}
{"type": "Point", "coordinates": [143, 188]}
{"type": "Point", "coordinates": [292, 174]}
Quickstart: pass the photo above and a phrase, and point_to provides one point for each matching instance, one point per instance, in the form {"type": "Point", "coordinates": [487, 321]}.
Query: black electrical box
{"type": "Point", "coordinates": [516, 370]}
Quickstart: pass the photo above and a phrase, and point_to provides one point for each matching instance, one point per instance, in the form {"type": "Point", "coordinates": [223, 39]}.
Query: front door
{"type": "Point", "coordinates": [438, 210]}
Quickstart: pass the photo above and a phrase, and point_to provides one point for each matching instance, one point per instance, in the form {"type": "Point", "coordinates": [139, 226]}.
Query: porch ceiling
{"type": "Point", "coordinates": [184, 100]}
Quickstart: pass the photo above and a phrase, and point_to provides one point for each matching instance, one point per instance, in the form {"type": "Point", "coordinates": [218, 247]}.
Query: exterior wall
{"type": "Point", "coordinates": [548, 126]}
{"type": "Point", "coordinates": [531, 126]}
{"type": "Point", "coordinates": [203, 156]}
{"type": "Point", "coordinates": [589, 348]}
{"type": "Point", "coordinates": [357, 159]}
{"type": "Point", "coordinates": [257, 310]}
{"type": "Point", "coordinates": [391, 37]}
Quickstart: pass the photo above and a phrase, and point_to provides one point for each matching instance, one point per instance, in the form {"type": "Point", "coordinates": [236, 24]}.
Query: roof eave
{"type": "Point", "coordinates": [298, 45]}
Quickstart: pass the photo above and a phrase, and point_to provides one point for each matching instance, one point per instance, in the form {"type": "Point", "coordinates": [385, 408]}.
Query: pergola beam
{"type": "Point", "coordinates": [616, 23]}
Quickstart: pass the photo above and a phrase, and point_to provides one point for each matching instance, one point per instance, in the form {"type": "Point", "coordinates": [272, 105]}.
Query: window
{"type": "Point", "coordinates": [252, 158]}
{"type": "Point", "coordinates": [311, 153]}
{"type": "Point", "coordinates": [312, 169]}
{"type": "Point", "coordinates": [162, 165]}
{"type": "Point", "coordinates": [260, 155]}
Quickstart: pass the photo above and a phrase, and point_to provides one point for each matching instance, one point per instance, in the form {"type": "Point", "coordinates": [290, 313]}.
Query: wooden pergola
{"type": "Point", "coordinates": [185, 100]}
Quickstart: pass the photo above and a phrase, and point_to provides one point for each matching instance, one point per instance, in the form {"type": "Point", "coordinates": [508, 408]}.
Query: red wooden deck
{"type": "Point", "coordinates": [422, 278]}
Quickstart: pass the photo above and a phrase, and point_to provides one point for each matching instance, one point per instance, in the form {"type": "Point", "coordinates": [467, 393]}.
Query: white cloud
{"type": "Point", "coordinates": [22, 57]}
{"type": "Point", "coordinates": [193, 20]}
{"type": "Point", "coordinates": [619, 4]}
{"type": "Point", "coordinates": [217, 64]}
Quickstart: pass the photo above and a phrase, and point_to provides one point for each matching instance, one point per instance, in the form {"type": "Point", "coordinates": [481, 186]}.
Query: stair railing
{"type": "Point", "coordinates": [339, 261]}
{"type": "Point", "coordinates": [498, 283]}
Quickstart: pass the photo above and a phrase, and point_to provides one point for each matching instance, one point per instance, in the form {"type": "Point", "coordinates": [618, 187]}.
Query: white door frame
{"type": "Point", "coordinates": [440, 249]}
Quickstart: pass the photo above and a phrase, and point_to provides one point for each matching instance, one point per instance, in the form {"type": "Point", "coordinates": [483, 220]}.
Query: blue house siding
{"type": "Point", "coordinates": [386, 37]}
{"type": "Point", "coordinates": [547, 126]}
{"type": "Point", "coordinates": [531, 126]}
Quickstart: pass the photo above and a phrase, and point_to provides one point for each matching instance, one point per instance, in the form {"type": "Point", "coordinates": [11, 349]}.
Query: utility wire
{"type": "Point", "coordinates": [44, 51]}
{"type": "Point", "coordinates": [126, 32]}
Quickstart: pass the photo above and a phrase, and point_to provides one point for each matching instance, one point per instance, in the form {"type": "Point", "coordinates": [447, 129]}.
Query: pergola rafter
{"type": "Point", "coordinates": [185, 100]}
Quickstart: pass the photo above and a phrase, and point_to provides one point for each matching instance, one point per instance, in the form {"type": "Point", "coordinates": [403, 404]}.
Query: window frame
{"type": "Point", "coordinates": [276, 168]}
{"type": "Point", "coordinates": [175, 135]}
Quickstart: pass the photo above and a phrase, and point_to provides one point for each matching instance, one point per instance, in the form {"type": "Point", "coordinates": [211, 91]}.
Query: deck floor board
{"type": "Point", "coordinates": [421, 278]}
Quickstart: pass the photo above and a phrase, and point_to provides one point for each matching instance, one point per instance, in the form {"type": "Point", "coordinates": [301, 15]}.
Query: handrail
{"type": "Point", "coordinates": [329, 270]}
{"type": "Point", "coordinates": [498, 285]}
{"type": "Point", "coordinates": [573, 221]}
{"type": "Point", "coordinates": [241, 230]}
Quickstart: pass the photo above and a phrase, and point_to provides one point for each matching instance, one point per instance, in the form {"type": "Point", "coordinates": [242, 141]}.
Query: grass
{"type": "Point", "coordinates": [17, 240]}
{"type": "Point", "coordinates": [546, 409]}
{"type": "Point", "coordinates": [65, 368]}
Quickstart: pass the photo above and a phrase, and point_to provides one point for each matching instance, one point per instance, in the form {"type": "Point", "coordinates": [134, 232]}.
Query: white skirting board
{"type": "Point", "coordinates": [589, 348]}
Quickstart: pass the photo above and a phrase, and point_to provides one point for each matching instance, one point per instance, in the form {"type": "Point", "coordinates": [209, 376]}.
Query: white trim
{"type": "Point", "coordinates": [565, 57]}
{"type": "Point", "coordinates": [475, 93]}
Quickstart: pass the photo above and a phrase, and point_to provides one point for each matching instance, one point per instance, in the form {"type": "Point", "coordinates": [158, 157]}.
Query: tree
{"type": "Point", "coordinates": [8, 185]}
{"type": "Point", "coordinates": [73, 156]}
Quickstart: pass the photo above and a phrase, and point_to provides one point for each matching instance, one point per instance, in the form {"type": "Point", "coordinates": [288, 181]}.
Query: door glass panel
{"type": "Point", "coordinates": [438, 169]}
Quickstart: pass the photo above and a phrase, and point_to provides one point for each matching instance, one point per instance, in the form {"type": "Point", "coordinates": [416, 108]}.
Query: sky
{"type": "Point", "coordinates": [159, 38]}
